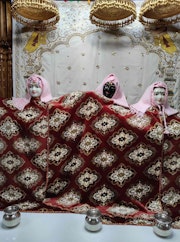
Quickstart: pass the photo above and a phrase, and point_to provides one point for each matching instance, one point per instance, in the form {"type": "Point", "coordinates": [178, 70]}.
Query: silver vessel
{"type": "Point", "coordinates": [11, 217]}
{"type": "Point", "coordinates": [162, 225]}
{"type": "Point", "coordinates": [93, 220]}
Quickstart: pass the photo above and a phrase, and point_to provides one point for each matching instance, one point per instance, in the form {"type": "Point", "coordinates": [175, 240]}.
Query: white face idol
{"type": "Point", "coordinates": [159, 95]}
{"type": "Point", "coordinates": [35, 90]}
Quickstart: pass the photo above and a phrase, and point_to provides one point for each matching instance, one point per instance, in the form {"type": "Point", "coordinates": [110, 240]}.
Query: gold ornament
{"type": "Point", "coordinates": [35, 13]}
{"type": "Point", "coordinates": [160, 12]}
{"type": "Point", "coordinates": [112, 13]}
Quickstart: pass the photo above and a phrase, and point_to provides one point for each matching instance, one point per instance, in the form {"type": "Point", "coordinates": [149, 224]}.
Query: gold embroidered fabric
{"type": "Point", "coordinates": [35, 13]}
{"type": "Point", "coordinates": [160, 12]}
{"type": "Point", "coordinates": [112, 13]}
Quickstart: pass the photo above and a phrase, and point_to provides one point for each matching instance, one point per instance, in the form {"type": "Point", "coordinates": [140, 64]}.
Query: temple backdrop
{"type": "Point", "coordinates": [77, 55]}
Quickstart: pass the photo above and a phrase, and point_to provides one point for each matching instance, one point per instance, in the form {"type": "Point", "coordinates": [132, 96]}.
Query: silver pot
{"type": "Point", "coordinates": [162, 225]}
{"type": "Point", "coordinates": [93, 220]}
{"type": "Point", "coordinates": [11, 217]}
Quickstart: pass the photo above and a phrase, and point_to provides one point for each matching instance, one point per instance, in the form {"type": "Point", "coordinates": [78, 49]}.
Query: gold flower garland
{"type": "Point", "coordinates": [160, 12]}
{"type": "Point", "coordinates": [112, 13]}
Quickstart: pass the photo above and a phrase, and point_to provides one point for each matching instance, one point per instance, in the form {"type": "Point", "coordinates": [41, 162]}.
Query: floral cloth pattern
{"type": "Point", "coordinates": [81, 151]}
{"type": "Point", "coordinates": [23, 154]}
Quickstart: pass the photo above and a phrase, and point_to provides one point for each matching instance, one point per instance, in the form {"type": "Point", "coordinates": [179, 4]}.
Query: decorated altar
{"type": "Point", "coordinates": [82, 150]}
{"type": "Point", "coordinates": [76, 55]}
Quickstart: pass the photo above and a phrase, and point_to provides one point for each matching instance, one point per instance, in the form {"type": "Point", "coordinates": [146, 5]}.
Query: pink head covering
{"type": "Point", "coordinates": [118, 97]}
{"type": "Point", "coordinates": [46, 96]}
{"type": "Point", "coordinates": [147, 100]}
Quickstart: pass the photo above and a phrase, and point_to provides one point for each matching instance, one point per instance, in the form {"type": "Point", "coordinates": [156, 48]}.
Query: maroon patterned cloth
{"type": "Point", "coordinates": [101, 155]}
{"type": "Point", "coordinates": [170, 185]}
{"type": "Point", "coordinates": [23, 154]}
{"type": "Point", "coordinates": [82, 151]}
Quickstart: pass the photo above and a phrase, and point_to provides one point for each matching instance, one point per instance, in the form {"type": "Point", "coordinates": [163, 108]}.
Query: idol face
{"type": "Point", "coordinates": [159, 95]}
{"type": "Point", "coordinates": [34, 89]}
{"type": "Point", "coordinates": [109, 89]}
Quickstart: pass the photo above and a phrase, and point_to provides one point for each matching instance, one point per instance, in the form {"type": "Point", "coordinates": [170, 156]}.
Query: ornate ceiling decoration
{"type": "Point", "coordinates": [35, 13]}
{"type": "Point", "coordinates": [160, 12]}
{"type": "Point", "coordinates": [112, 13]}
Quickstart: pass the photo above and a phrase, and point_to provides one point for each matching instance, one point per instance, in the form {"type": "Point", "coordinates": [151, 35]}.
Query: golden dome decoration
{"type": "Point", "coordinates": [160, 12]}
{"type": "Point", "coordinates": [35, 13]}
{"type": "Point", "coordinates": [112, 13]}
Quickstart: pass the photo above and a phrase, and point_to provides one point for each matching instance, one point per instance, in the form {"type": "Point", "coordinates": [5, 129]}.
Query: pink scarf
{"type": "Point", "coordinates": [46, 96]}
{"type": "Point", "coordinates": [118, 97]}
{"type": "Point", "coordinates": [147, 101]}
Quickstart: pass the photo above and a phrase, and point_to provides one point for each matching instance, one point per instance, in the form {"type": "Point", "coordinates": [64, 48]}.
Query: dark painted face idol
{"type": "Point", "coordinates": [109, 89]}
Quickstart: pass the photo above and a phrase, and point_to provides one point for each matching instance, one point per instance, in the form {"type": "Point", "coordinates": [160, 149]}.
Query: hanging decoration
{"type": "Point", "coordinates": [38, 14]}
{"type": "Point", "coordinates": [89, 1]}
{"type": "Point", "coordinates": [160, 12]}
{"type": "Point", "coordinates": [112, 13]}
